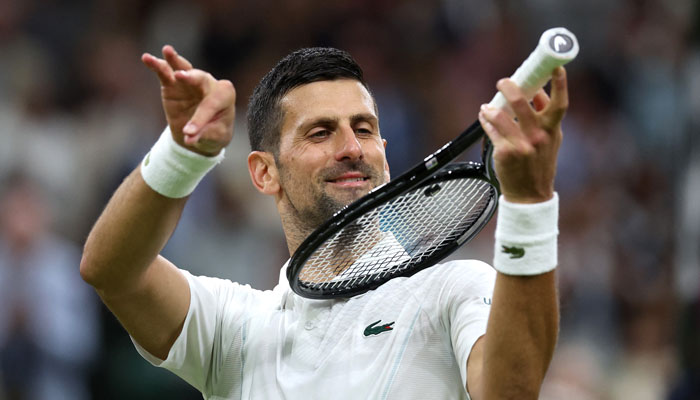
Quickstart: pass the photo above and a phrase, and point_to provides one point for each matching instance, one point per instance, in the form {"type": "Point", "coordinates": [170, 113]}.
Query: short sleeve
{"type": "Point", "coordinates": [466, 299]}
{"type": "Point", "coordinates": [218, 309]}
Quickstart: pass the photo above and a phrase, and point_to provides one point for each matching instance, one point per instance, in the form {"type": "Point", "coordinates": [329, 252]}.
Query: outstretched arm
{"type": "Point", "coordinates": [511, 359]}
{"type": "Point", "coordinates": [148, 295]}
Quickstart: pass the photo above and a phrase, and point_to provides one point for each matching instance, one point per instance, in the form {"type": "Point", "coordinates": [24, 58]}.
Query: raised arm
{"type": "Point", "coordinates": [511, 360]}
{"type": "Point", "coordinates": [148, 295]}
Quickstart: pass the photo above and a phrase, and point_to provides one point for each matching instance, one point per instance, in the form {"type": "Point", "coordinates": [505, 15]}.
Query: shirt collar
{"type": "Point", "coordinates": [283, 286]}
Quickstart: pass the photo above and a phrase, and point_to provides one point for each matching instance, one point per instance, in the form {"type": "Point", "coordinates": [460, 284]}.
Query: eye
{"type": "Point", "coordinates": [364, 129]}
{"type": "Point", "coordinates": [319, 134]}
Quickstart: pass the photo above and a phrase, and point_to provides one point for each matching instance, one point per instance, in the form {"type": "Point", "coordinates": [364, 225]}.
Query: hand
{"type": "Point", "coordinates": [525, 150]}
{"type": "Point", "coordinates": [200, 109]}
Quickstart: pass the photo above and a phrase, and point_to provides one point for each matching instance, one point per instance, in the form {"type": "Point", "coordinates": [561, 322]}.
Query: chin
{"type": "Point", "coordinates": [357, 193]}
{"type": "Point", "coordinates": [345, 199]}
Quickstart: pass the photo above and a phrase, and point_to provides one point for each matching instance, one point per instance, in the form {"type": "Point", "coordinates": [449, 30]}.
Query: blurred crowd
{"type": "Point", "coordinates": [78, 111]}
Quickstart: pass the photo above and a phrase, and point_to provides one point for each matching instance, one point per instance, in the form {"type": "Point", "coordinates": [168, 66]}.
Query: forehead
{"type": "Point", "coordinates": [325, 99]}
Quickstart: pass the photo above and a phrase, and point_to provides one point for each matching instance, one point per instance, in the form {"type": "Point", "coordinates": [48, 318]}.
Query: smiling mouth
{"type": "Point", "coordinates": [348, 180]}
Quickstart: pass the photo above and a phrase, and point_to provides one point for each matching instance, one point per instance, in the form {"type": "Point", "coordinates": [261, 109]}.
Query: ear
{"type": "Point", "coordinates": [263, 172]}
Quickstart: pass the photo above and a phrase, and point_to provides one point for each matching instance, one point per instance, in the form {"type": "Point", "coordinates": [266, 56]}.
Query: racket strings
{"type": "Point", "coordinates": [442, 218]}
{"type": "Point", "coordinates": [386, 240]}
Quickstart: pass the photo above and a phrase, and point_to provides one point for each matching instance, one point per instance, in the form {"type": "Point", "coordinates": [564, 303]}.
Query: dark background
{"type": "Point", "coordinates": [78, 111]}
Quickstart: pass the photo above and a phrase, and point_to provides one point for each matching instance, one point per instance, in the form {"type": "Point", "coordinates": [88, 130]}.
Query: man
{"type": "Point", "coordinates": [316, 146]}
{"type": "Point", "coordinates": [49, 333]}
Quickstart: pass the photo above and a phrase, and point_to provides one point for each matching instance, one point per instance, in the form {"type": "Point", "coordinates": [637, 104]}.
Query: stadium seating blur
{"type": "Point", "coordinates": [78, 111]}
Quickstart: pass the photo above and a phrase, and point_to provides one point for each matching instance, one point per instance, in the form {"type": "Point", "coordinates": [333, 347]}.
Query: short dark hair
{"type": "Point", "coordinates": [298, 68]}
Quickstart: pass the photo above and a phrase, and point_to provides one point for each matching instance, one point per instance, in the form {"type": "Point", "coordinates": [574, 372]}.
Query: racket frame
{"type": "Point", "coordinates": [557, 46]}
{"type": "Point", "coordinates": [425, 173]}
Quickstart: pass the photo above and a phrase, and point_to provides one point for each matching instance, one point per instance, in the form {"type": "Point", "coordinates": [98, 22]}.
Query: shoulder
{"type": "Point", "coordinates": [456, 282]}
{"type": "Point", "coordinates": [459, 272]}
{"type": "Point", "coordinates": [448, 282]}
{"type": "Point", "coordinates": [224, 292]}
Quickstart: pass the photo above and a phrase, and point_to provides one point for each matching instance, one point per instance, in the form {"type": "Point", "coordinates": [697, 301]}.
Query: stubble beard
{"type": "Point", "coordinates": [321, 206]}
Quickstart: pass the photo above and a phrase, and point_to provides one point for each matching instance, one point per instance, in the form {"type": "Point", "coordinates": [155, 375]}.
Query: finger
{"type": "Point", "coordinates": [215, 133]}
{"type": "Point", "coordinates": [540, 100]}
{"type": "Point", "coordinates": [559, 102]}
{"type": "Point", "coordinates": [195, 80]}
{"type": "Point", "coordinates": [496, 138]}
{"type": "Point", "coordinates": [518, 103]}
{"type": "Point", "coordinates": [218, 103]}
{"type": "Point", "coordinates": [503, 146]}
{"type": "Point", "coordinates": [160, 67]}
{"type": "Point", "coordinates": [176, 61]}
{"type": "Point", "coordinates": [504, 124]}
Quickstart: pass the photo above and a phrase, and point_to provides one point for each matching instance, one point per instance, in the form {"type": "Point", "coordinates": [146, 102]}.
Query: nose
{"type": "Point", "coordinates": [348, 146]}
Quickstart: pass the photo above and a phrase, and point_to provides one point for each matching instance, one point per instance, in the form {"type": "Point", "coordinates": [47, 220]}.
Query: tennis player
{"type": "Point", "coordinates": [455, 330]}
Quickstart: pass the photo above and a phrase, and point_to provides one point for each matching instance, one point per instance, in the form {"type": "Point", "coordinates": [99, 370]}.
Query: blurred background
{"type": "Point", "coordinates": [78, 111]}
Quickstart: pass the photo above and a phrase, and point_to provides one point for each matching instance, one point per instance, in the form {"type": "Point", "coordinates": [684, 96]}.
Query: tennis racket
{"type": "Point", "coordinates": [422, 216]}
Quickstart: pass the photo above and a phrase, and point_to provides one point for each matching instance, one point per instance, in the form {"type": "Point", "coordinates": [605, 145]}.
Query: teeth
{"type": "Point", "coordinates": [350, 180]}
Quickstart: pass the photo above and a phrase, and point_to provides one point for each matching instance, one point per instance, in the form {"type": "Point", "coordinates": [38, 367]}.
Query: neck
{"type": "Point", "coordinates": [295, 231]}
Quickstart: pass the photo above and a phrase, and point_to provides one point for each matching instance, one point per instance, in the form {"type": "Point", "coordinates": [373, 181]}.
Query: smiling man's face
{"type": "Point", "coordinates": [331, 152]}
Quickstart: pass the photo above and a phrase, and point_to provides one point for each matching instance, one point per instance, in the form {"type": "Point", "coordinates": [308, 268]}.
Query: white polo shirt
{"type": "Point", "coordinates": [408, 339]}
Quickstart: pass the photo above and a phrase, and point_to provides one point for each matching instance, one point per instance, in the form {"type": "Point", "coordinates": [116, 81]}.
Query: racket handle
{"type": "Point", "coordinates": [557, 47]}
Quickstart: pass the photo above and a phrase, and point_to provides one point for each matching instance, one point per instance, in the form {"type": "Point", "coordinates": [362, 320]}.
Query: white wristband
{"type": "Point", "coordinates": [526, 237]}
{"type": "Point", "coordinates": [173, 170]}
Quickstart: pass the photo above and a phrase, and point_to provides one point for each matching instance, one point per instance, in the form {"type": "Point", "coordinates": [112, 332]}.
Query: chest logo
{"type": "Point", "coordinates": [371, 329]}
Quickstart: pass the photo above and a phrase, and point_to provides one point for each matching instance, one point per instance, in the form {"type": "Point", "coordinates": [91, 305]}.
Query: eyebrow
{"type": "Point", "coordinates": [364, 117]}
{"type": "Point", "coordinates": [324, 121]}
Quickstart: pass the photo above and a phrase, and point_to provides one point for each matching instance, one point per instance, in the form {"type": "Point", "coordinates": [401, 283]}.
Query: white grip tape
{"type": "Point", "coordinates": [557, 47]}
{"type": "Point", "coordinates": [526, 237]}
{"type": "Point", "coordinates": [173, 170]}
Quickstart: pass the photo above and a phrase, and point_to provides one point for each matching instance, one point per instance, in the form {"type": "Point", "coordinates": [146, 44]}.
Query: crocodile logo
{"type": "Point", "coordinates": [371, 329]}
{"type": "Point", "coordinates": [515, 252]}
